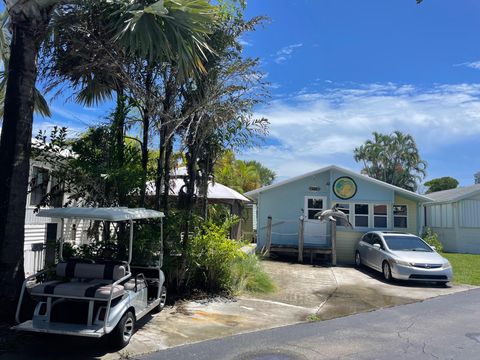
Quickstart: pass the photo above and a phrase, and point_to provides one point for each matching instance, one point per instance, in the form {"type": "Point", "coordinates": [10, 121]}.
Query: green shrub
{"type": "Point", "coordinates": [217, 263]}
{"type": "Point", "coordinates": [249, 275]}
{"type": "Point", "coordinates": [432, 239]}
{"type": "Point", "coordinates": [210, 258]}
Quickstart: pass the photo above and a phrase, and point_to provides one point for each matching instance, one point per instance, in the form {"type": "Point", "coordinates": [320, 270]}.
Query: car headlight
{"type": "Point", "coordinates": [446, 265]}
{"type": "Point", "coordinates": [401, 262]}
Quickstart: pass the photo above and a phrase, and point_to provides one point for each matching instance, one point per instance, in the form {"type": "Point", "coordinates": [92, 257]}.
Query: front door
{"type": "Point", "coordinates": [315, 231]}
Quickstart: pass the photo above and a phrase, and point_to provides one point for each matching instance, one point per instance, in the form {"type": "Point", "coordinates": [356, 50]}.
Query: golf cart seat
{"type": "Point", "coordinates": [78, 289]}
{"type": "Point", "coordinates": [83, 280]}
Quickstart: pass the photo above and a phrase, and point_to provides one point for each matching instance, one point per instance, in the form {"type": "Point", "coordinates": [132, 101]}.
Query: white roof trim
{"type": "Point", "coordinates": [102, 214]}
{"type": "Point", "coordinates": [253, 193]}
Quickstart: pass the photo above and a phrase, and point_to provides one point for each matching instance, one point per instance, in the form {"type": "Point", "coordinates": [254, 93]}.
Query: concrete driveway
{"type": "Point", "coordinates": [442, 328]}
{"type": "Point", "coordinates": [304, 293]}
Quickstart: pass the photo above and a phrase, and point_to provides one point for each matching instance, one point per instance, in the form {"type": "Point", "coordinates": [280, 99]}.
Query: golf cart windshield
{"type": "Point", "coordinates": [406, 243]}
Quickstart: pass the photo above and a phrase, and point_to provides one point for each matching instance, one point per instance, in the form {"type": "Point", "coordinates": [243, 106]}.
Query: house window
{"type": "Point", "coordinates": [314, 206]}
{"type": "Point", "coordinates": [56, 192]}
{"type": "Point", "coordinates": [345, 208]}
{"type": "Point", "coordinates": [400, 216]}
{"type": "Point", "coordinates": [380, 215]}
{"type": "Point", "coordinates": [38, 185]}
{"type": "Point", "coordinates": [361, 215]}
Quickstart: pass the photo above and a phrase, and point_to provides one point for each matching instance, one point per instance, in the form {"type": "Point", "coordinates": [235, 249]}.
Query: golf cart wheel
{"type": "Point", "coordinates": [163, 299]}
{"type": "Point", "coordinates": [121, 335]}
{"type": "Point", "coordinates": [387, 271]}
{"type": "Point", "coordinates": [358, 259]}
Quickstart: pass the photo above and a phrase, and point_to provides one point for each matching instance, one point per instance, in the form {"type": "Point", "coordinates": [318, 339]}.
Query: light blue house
{"type": "Point", "coordinates": [370, 204]}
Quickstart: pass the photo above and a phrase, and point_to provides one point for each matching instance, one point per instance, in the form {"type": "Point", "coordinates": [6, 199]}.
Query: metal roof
{"type": "Point", "coordinates": [216, 190]}
{"type": "Point", "coordinates": [455, 194]}
{"type": "Point", "coordinates": [103, 214]}
{"type": "Point", "coordinates": [411, 194]}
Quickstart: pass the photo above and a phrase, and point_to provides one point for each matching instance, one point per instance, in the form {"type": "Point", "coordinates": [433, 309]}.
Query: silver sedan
{"type": "Point", "coordinates": [402, 256]}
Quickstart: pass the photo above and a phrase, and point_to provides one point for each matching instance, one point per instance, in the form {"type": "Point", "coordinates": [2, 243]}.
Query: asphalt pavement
{"type": "Point", "coordinates": [445, 327]}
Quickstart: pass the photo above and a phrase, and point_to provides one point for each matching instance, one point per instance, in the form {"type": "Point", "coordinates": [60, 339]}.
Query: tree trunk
{"type": "Point", "coordinates": [15, 145]}
{"type": "Point", "coordinates": [166, 181]}
{"type": "Point", "coordinates": [119, 129]}
{"type": "Point", "coordinates": [147, 111]}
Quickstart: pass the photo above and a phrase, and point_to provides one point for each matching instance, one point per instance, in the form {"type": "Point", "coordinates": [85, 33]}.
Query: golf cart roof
{"type": "Point", "coordinates": [103, 214]}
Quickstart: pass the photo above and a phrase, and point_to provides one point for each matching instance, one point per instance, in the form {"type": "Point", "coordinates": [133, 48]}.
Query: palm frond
{"type": "Point", "coordinates": [40, 104]}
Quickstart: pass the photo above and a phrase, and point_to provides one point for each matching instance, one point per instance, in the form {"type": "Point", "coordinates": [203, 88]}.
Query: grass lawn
{"type": "Point", "coordinates": [466, 268]}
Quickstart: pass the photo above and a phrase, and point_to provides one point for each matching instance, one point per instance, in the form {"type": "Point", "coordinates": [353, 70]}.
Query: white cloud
{"type": "Point", "coordinates": [244, 42]}
{"type": "Point", "coordinates": [75, 116]}
{"type": "Point", "coordinates": [311, 129]}
{"type": "Point", "coordinates": [285, 53]}
{"type": "Point", "coordinates": [474, 65]}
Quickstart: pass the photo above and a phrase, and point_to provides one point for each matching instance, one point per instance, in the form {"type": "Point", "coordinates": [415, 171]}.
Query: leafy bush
{"type": "Point", "coordinates": [210, 258]}
{"type": "Point", "coordinates": [249, 275]}
{"type": "Point", "coordinates": [432, 239]}
{"type": "Point", "coordinates": [217, 263]}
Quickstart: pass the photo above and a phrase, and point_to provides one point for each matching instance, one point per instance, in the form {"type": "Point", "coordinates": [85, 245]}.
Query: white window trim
{"type": "Point", "coordinates": [49, 185]}
{"type": "Point", "coordinates": [306, 208]}
{"type": "Point", "coordinates": [368, 216]}
{"type": "Point", "coordinates": [404, 216]}
{"type": "Point", "coordinates": [371, 215]}
{"type": "Point", "coordinates": [385, 216]}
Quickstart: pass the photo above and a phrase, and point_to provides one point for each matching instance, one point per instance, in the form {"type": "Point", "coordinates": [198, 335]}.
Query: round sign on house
{"type": "Point", "coordinates": [344, 187]}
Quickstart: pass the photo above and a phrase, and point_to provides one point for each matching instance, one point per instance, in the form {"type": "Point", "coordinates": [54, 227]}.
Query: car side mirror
{"type": "Point", "coordinates": [377, 246]}
{"type": "Point", "coordinates": [433, 247]}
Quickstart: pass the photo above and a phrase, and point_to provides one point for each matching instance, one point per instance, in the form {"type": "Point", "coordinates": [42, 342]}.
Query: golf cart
{"type": "Point", "coordinates": [96, 297]}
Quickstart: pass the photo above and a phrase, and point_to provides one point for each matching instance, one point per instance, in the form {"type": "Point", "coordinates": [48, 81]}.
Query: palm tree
{"type": "Point", "coordinates": [28, 23]}
{"type": "Point", "coordinates": [392, 158]}
{"type": "Point", "coordinates": [143, 33]}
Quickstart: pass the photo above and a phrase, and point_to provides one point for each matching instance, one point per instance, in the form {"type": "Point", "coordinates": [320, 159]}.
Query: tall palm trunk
{"type": "Point", "coordinates": [146, 119]}
{"type": "Point", "coordinates": [119, 133]}
{"type": "Point", "coordinates": [165, 146]}
{"type": "Point", "coordinates": [15, 145]}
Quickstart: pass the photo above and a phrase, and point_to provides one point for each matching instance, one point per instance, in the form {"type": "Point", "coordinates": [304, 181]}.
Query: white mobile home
{"type": "Point", "coordinates": [455, 216]}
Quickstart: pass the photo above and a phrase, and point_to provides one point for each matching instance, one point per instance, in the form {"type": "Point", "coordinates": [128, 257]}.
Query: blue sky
{"type": "Point", "coordinates": [342, 69]}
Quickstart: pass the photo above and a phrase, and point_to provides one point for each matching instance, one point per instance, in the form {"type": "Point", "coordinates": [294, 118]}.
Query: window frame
{"type": "Point", "coordinates": [386, 216]}
{"type": "Point", "coordinates": [307, 209]}
{"type": "Point", "coordinates": [36, 187]}
{"type": "Point", "coordinates": [367, 215]}
{"type": "Point", "coordinates": [400, 216]}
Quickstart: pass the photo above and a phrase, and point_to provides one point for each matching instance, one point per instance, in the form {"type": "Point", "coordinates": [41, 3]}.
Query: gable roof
{"type": "Point", "coordinates": [216, 191]}
{"type": "Point", "coordinates": [408, 193]}
{"type": "Point", "coordinates": [455, 194]}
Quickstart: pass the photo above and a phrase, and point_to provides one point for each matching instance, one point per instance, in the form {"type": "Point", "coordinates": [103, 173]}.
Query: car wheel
{"type": "Point", "coordinates": [121, 335]}
{"type": "Point", "coordinates": [358, 259]}
{"type": "Point", "coordinates": [387, 271]}
{"type": "Point", "coordinates": [163, 299]}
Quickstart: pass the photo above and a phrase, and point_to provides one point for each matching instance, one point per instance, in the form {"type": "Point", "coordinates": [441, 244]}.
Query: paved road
{"type": "Point", "coordinates": [446, 327]}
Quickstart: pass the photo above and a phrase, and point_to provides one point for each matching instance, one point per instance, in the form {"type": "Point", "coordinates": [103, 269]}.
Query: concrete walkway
{"type": "Point", "coordinates": [304, 293]}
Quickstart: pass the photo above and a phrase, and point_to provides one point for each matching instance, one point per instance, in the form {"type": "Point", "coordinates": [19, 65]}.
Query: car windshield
{"type": "Point", "coordinates": [406, 243]}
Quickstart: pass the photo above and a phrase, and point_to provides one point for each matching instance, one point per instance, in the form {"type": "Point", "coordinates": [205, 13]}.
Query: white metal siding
{"type": "Point", "coordinates": [440, 216]}
{"type": "Point", "coordinates": [33, 260]}
{"type": "Point", "coordinates": [469, 213]}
